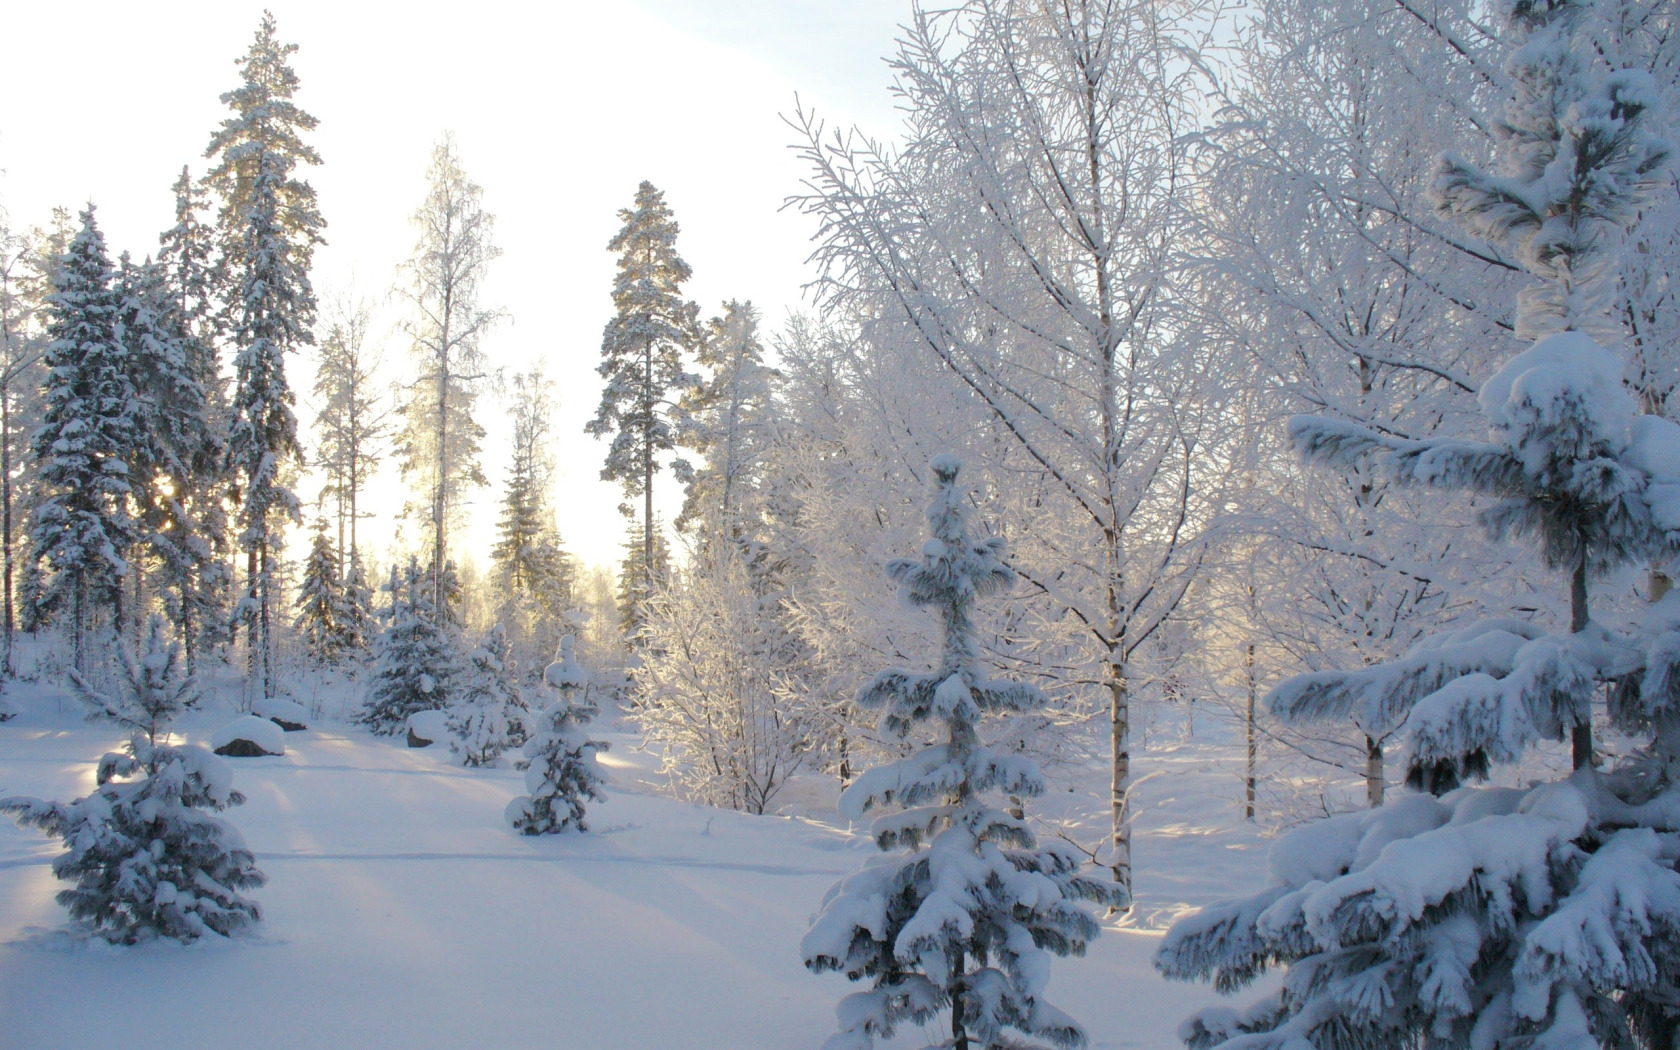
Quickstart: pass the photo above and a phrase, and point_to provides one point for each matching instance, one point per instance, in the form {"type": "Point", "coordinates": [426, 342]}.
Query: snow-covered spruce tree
{"type": "Point", "coordinates": [192, 545]}
{"type": "Point", "coordinates": [321, 601]}
{"type": "Point", "coordinates": [967, 922]}
{"type": "Point", "coordinates": [147, 860]}
{"type": "Point", "coordinates": [1502, 918]}
{"type": "Point", "coordinates": [172, 435]}
{"type": "Point", "coordinates": [417, 668]}
{"type": "Point", "coordinates": [533, 567]}
{"type": "Point", "coordinates": [357, 617]}
{"type": "Point", "coordinates": [642, 356]}
{"type": "Point", "coordinates": [83, 529]}
{"type": "Point", "coordinates": [639, 580]}
{"type": "Point", "coordinates": [727, 419]}
{"type": "Point", "coordinates": [488, 714]}
{"type": "Point", "coordinates": [563, 771]}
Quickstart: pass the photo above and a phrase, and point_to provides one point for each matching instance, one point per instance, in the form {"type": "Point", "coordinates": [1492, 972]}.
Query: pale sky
{"type": "Point", "coordinates": [559, 110]}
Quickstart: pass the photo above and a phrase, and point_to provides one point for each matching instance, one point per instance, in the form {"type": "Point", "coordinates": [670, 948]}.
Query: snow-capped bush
{"type": "Point", "coordinates": [563, 771]}
{"type": "Point", "coordinates": [489, 716]}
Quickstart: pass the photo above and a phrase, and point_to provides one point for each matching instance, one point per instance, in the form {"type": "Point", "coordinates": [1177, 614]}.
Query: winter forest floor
{"type": "Point", "coordinates": [402, 912]}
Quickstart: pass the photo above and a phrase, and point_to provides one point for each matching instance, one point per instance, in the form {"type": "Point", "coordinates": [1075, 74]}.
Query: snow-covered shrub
{"type": "Point", "coordinates": [146, 859]}
{"type": "Point", "coordinates": [1501, 918]}
{"type": "Point", "coordinates": [967, 910]}
{"type": "Point", "coordinates": [563, 771]}
{"type": "Point", "coordinates": [489, 716]}
{"type": "Point", "coordinates": [417, 664]}
{"type": "Point", "coordinates": [719, 684]}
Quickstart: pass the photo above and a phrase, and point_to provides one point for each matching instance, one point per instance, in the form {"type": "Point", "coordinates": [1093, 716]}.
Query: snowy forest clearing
{"type": "Point", "coordinates": [402, 911]}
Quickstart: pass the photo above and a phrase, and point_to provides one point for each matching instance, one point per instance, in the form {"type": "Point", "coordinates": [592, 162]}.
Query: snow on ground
{"type": "Point", "coordinates": [401, 912]}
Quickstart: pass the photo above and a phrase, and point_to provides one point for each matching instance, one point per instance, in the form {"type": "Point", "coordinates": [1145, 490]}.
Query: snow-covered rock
{"type": "Point", "coordinates": [426, 728]}
{"type": "Point", "coordinates": [248, 736]}
{"type": "Point", "coordinates": [287, 714]}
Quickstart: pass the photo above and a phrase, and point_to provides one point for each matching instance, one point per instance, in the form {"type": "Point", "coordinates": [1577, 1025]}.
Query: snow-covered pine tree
{"type": "Point", "coordinates": [266, 127]}
{"type": "Point", "coordinates": [276, 311]}
{"type": "Point", "coordinates": [82, 528]}
{"type": "Point", "coordinates": [638, 580]}
{"type": "Point", "coordinates": [563, 771]}
{"type": "Point", "coordinates": [147, 859]}
{"type": "Point", "coordinates": [321, 600]}
{"type": "Point", "coordinates": [641, 356]}
{"type": "Point", "coordinates": [417, 669]}
{"type": "Point", "coordinates": [1500, 918]}
{"type": "Point", "coordinates": [269, 226]}
{"type": "Point", "coordinates": [965, 913]}
{"type": "Point", "coordinates": [487, 716]}
{"type": "Point", "coordinates": [727, 420]}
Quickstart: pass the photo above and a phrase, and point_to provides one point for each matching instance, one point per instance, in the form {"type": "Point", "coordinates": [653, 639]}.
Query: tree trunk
{"type": "Point", "coordinates": [262, 613]}
{"type": "Point", "coordinates": [1253, 739]}
{"type": "Point", "coordinates": [647, 469]}
{"type": "Point", "coordinates": [442, 478]}
{"type": "Point", "coordinates": [1581, 737]}
{"type": "Point", "coordinates": [1120, 785]}
{"type": "Point", "coordinates": [6, 514]}
{"type": "Point", "coordinates": [1374, 779]}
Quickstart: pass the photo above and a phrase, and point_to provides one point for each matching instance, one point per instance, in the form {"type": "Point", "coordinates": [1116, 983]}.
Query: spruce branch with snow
{"type": "Point", "coordinates": [963, 908]}
{"type": "Point", "coordinates": [1546, 916]}
{"type": "Point", "coordinates": [563, 772]}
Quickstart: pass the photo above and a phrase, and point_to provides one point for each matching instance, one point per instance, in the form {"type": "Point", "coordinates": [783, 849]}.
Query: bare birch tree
{"type": "Point", "coordinates": [440, 440]}
{"type": "Point", "coordinates": [1025, 235]}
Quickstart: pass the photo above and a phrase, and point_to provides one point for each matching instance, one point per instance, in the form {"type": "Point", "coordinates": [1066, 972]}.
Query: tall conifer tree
{"type": "Point", "coordinates": [269, 227]}
{"type": "Point", "coordinates": [278, 306]}
{"type": "Point", "coordinates": [642, 354]}
{"type": "Point", "coordinates": [197, 561]}
{"type": "Point", "coordinates": [83, 529]}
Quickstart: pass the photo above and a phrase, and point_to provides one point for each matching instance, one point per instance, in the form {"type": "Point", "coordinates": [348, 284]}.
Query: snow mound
{"type": "Point", "coordinates": [287, 714]}
{"type": "Point", "coordinates": [427, 727]}
{"type": "Point", "coordinates": [259, 733]}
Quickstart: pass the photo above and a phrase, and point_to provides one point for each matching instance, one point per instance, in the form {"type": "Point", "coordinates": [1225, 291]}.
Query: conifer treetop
{"type": "Point", "coordinates": [266, 123]}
